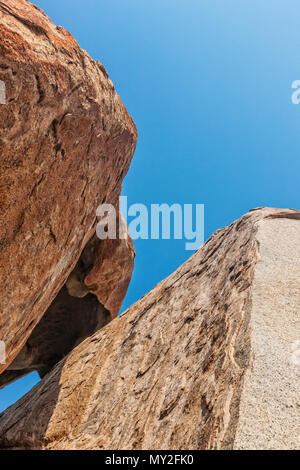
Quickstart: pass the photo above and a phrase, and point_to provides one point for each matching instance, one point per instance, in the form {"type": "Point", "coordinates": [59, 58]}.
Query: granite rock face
{"type": "Point", "coordinates": [206, 360]}
{"type": "Point", "coordinates": [112, 269]}
{"type": "Point", "coordinates": [66, 142]}
{"type": "Point", "coordinates": [91, 298]}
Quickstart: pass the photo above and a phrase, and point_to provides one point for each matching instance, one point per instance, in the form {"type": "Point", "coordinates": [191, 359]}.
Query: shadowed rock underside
{"type": "Point", "coordinates": [183, 368]}
{"type": "Point", "coordinates": [66, 143]}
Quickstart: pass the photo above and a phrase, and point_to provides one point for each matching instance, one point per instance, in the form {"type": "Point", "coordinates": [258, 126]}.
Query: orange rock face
{"type": "Point", "coordinates": [111, 274]}
{"type": "Point", "coordinates": [203, 361]}
{"type": "Point", "coordinates": [66, 142]}
{"type": "Point", "coordinates": [91, 298]}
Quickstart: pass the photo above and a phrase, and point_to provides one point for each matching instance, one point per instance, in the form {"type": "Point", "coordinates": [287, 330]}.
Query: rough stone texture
{"type": "Point", "coordinates": [105, 269]}
{"type": "Point", "coordinates": [67, 322]}
{"type": "Point", "coordinates": [270, 404]}
{"type": "Point", "coordinates": [66, 142]}
{"type": "Point", "coordinates": [91, 298]}
{"type": "Point", "coordinates": [201, 362]}
{"type": "Point", "coordinates": [112, 269]}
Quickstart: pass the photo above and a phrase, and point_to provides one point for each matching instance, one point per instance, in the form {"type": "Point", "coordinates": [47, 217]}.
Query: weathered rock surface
{"type": "Point", "coordinates": [112, 269]}
{"type": "Point", "coordinates": [66, 142]}
{"type": "Point", "coordinates": [204, 361]}
{"type": "Point", "coordinates": [67, 322]}
{"type": "Point", "coordinates": [91, 298]}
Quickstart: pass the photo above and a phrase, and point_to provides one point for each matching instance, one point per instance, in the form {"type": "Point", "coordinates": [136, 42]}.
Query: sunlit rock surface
{"type": "Point", "coordinates": [206, 360]}
{"type": "Point", "coordinates": [66, 142]}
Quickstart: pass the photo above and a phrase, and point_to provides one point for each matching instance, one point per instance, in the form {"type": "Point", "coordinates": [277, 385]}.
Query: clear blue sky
{"type": "Point", "coordinates": [208, 83]}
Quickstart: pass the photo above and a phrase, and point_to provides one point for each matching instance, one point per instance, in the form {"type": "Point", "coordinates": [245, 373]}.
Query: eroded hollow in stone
{"type": "Point", "coordinates": [74, 315]}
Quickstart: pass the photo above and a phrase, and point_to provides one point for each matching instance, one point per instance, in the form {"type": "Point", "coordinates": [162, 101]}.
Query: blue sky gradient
{"type": "Point", "coordinates": [208, 84]}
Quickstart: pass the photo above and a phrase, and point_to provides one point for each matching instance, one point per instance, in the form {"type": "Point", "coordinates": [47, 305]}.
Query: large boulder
{"type": "Point", "coordinates": [66, 142]}
{"type": "Point", "coordinates": [91, 298]}
{"type": "Point", "coordinates": [207, 360]}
